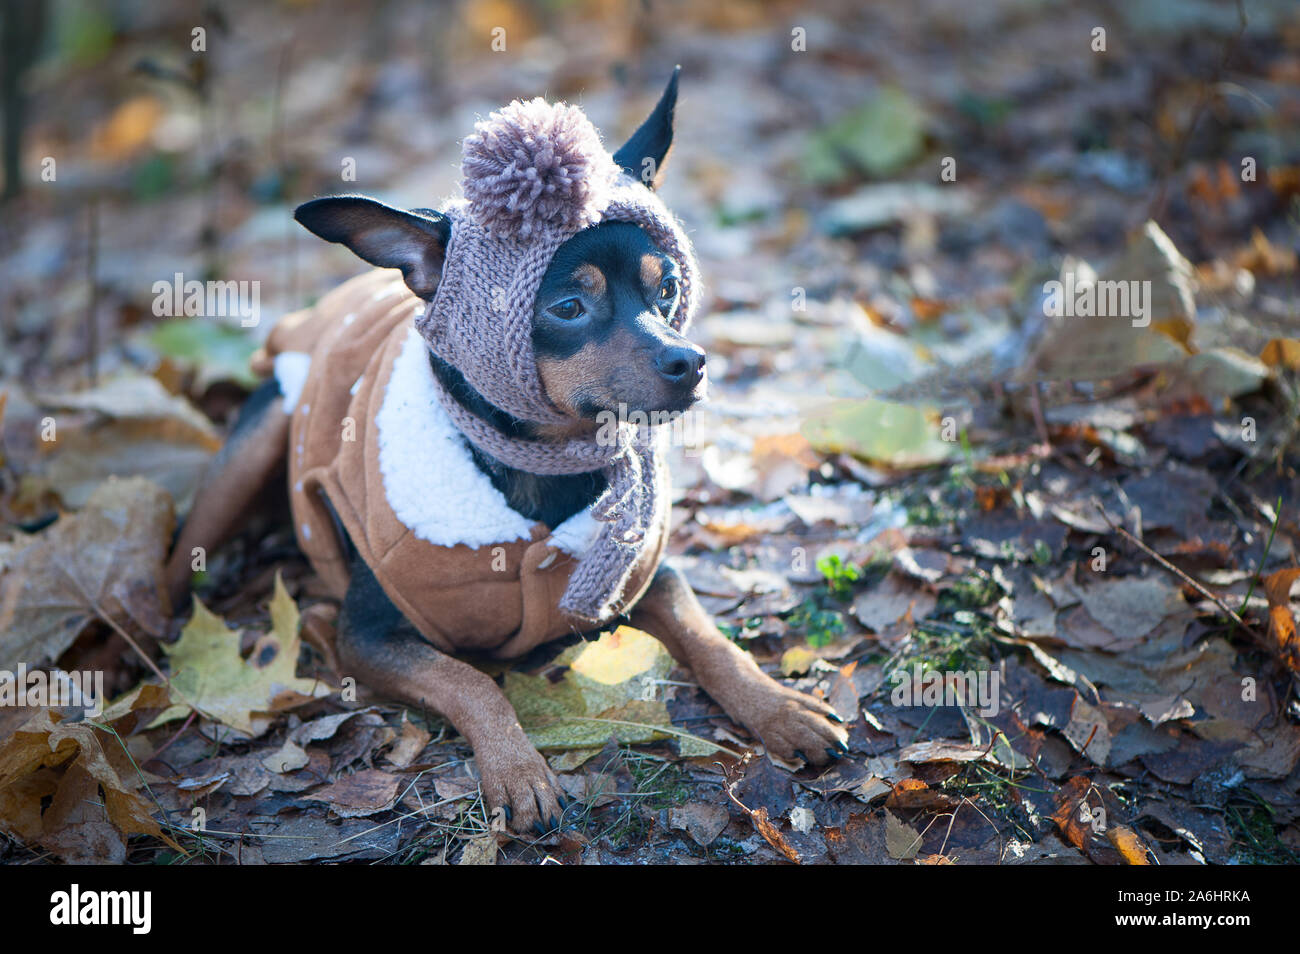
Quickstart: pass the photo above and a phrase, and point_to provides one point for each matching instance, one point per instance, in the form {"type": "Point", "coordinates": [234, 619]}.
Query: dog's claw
{"type": "Point", "coordinates": [537, 827]}
{"type": "Point", "coordinates": [833, 753]}
{"type": "Point", "coordinates": [510, 814]}
{"type": "Point", "coordinates": [835, 717]}
{"type": "Point", "coordinates": [552, 823]}
{"type": "Point", "coordinates": [799, 752]}
{"type": "Point", "coordinates": [843, 748]}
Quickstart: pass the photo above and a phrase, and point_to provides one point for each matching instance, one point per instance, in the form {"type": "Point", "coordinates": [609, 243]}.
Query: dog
{"type": "Point", "coordinates": [437, 430]}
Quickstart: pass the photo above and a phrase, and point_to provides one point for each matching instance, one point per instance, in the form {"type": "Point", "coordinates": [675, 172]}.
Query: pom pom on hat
{"type": "Point", "coordinates": [536, 166]}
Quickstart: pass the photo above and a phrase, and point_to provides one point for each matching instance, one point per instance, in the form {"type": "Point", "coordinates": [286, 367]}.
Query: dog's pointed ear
{"type": "Point", "coordinates": [642, 156]}
{"type": "Point", "coordinates": [415, 242]}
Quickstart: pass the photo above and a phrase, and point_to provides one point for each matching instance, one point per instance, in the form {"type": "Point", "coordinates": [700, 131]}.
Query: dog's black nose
{"type": "Point", "coordinates": [681, 364]}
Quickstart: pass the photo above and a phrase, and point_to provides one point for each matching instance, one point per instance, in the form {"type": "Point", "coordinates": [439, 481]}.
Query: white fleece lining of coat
{"type": "Point", "coordinates": [577, 534]}
{"type": "Point", "coordinates": [291, 369]}
{"type": "Point", "coordinates": [430, 479]}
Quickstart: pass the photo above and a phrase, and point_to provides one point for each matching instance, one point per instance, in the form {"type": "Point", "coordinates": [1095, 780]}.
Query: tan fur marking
{"type": "Point", "coordinates": [581, 375]}
{"type": "Point", "coordinates": [591, 278]}
{"type": "Point", "coordinates": [652, 271]}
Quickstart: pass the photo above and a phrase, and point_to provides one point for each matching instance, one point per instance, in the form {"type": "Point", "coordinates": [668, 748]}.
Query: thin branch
{"type": "Point", "coordinates": [1227, 610]}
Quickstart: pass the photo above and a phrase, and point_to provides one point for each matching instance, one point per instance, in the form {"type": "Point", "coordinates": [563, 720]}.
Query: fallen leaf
{"type": "Point", "coordinates": [102, 563]}
{"type": "Point", "coordinates": [361, 793]}
{"type": "Point", "coordinates": [872, 789]}
{"type": "Point", "coordinates": [480, 851]}
{"type": "Point", "coordinates": [1282, 352]}
{"type": "Point", "coordinates": [216, 351]}
{"type": "Point", "coordinates": [860, 841]}
{"type": "Point", "coordinates": [797, 660]}
{"type": "Point", "coordinates": [1088, 731]}
{"type": "Point", "coordinates": [772, 835]}
{"type": "Point", "coordinates": [136, 426]}
{"type": "Point", "coordinates": [210, 675]}
{"type": "Point", "coordinates": [942, 750]}
{"type": "Point", "coordinates": [1070, 813]}
{"type": "Point", "coordinates": [1281, 618]}
{"type": "Point", "coordinates": [128, 130]}
{"type": "Point", "coordinates": [1128, 844]}
{"type": "Point", "coordinates": [890, 602]}
{"type": "Point", "coordinates": [894, 435]}
{"type": "Point", "coordinates": [411, 740]}
{"type": "Point", "coordinates": [703, 821]}
{"type": "Point", "coordinates": [1167, 709]}
{"type": "Point", "coordinates": [901, 840]}
{"type": "Point", "coordinates": [288, 758]}
{"type": "Point", "coordinates": [843, 695]}
{"type": "Point", "coordinates": [1131, 606]}
{"type": "Point", "coordinates": [610, 688]}
{"type": "Point", "coordinates": [71, 763]}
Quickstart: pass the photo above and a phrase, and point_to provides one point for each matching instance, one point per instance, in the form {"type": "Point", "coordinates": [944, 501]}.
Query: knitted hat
{"type": "Point", "coordinates": [536, 174]}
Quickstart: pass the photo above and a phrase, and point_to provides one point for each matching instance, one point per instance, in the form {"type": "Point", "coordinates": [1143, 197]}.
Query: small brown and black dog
{"type": "Point", "coordinates": [600, 343]}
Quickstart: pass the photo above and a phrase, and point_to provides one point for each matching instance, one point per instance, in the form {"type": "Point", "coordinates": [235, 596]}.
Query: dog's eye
{"type": "Point", "coordinates": [567, 310]}
{"type": "Point", "coordinates": [668, 290]}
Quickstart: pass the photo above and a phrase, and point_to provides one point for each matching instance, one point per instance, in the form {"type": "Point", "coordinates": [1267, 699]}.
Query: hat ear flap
{"type": "Point", "coordinates": [415, 242]}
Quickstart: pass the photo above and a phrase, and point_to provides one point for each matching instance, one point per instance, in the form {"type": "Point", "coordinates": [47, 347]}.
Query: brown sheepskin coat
{"type": "Point", "coordinates": [468, 572]}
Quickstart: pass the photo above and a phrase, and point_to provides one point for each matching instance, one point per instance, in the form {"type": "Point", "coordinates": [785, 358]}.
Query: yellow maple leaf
{"type": "Point", "coordinates": [209, 672]}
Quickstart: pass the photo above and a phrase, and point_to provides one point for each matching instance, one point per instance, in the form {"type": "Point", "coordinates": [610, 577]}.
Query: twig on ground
{"type": "Point", "coordinates": [1227, 610]}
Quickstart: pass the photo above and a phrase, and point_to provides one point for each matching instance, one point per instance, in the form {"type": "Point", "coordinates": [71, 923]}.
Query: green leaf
{"type": "Point", "coordinates": [610, 688]}
{"type": "Point", "coordinates": [219, 351]}
{"type": "Point", "coordinates": [882, 136]}
{"type": "Point", "coordinates": [896, 435]}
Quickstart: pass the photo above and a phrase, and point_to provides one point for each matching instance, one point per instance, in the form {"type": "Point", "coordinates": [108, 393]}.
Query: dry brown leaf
{"type": "Point", "coordinates": [913, 795]}
{"type": "Point", "coordinates": [128, 130]}
{"type": "Point", "coordinates": [1088, 731]}
{"type": "Point", "coordinates": [129, 425]}
{"type": "Point", "coordinates": [411, 740]}
{"type": "Point", "coordinates": [1282, 352]}
{"type": "Point", "coordinates": [1128, 844]}
{"type": "Point", "coordinates": [772, 835]}
{"type": "Point", "coordinates": [1281, 619]}
{"type": "Point", "coordinates": [1068, 815]}
{"type": "Point", "coordinates": [480, 851]}
{"type": "Point", "coordinates": [104, 562]}
{"type": "Point", "coordinates": [758, 817]}
{"type": "Point", "coordinates": [703, 821]}
{"type": "Point", "coordinates": [362, 793]}
{"type": "Point", "coordinates": [71, 764]}
{"type": "Point", "coordinates": [843, 696]}
{"type": "Point", "coordinates": [901, 840]}
{"type": "Point", "coordinates": [944, 750]}
{"type": "Point", "coordinates": [1264, 258]}
{"type": "Point", "coordinates": [781, 463]}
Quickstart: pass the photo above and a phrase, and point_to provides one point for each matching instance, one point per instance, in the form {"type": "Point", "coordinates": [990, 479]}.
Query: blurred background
{"type": "Point", "coordinates": [182, 135]}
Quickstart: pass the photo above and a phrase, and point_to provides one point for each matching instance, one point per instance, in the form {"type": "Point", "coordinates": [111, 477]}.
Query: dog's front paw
{"type": "Point", "coordinates": [793, 726]}
{"type": "Point", "coordinates": [518, 784]}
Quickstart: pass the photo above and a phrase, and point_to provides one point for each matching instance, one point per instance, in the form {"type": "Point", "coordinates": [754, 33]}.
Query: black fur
{"type": "Point", "coordinates": [616, 249]}
{"type": "Point", "coordinates": [368, 616]}
{"type": "Point", "coordinates": [549, 499]}
{"type": "Point", "coordinates": [652, 139]}
{"type": "Point", "coordinates": [250, 414]}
